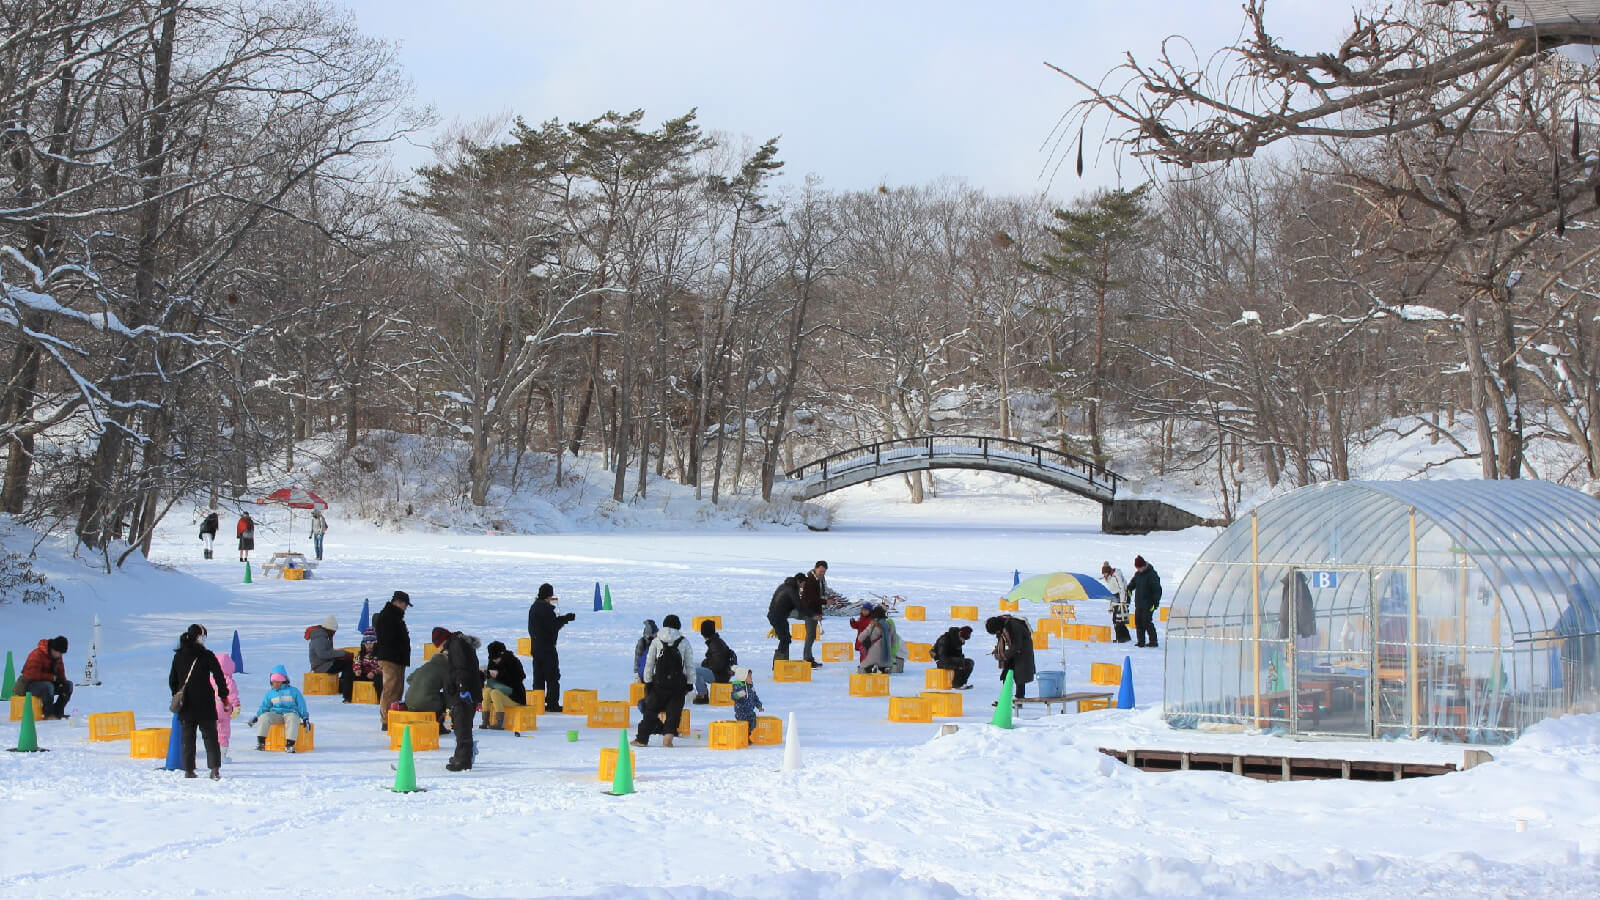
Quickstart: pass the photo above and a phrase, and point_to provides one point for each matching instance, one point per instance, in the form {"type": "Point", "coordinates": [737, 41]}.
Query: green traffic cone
{"type": "Point", "coordinates": [405, 771]}
{"type": "Point", "coordinates": [1002, 710]}
{"type": "Point", "coordinates": [622, 781]}
{"type": "Point", "coordinates": [28, 737]}
{"type": "Point", "coordinates": [11, 677]}
{"type": "Point", "coordinates": [608, 598]}
{"type": "Point", "coordinates": [247, 571]}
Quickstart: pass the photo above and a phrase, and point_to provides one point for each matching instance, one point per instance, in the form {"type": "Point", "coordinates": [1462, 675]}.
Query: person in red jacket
{"type": "Point", "coordinates": [44, 675]}
{"type": "Point", "coordinates": [246, 532]}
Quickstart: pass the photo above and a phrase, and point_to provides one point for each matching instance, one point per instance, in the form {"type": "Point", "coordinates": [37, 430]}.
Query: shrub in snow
{"type": "Point", "coordinates": [19, 580]}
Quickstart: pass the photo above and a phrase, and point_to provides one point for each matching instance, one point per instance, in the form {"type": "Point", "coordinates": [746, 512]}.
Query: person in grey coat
{"type": "Point", "coordinates": [324, 657]}
{"type": "Point", "coordinates": [876, 644]}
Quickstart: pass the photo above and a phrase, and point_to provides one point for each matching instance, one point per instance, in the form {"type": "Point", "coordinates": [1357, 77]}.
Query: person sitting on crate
{"type": "Point", "coordinates": [282, 704]}
{"type": "Point", "coordinates": [860, 623]}
{"type": "Point", "coordinates": [875, 645]}
{"type": "Point", "coordinates": [746, 702]}
{"type": "Point", "coordinates": [718, 665]}
{"type": "Point", "coordinates": [325, 658]}
{"type": "Point", "coordinates": [1013, 650]}
{"type": "Point", "coordinates": [947, 654]}
{"type": "Point", "coordinates": [668, 670]}
{"type": "Point", "coordinates": [44, 675]}
{"type": "Point", "coordinates": [502, 687]}
{"type": "Point", "coordinates": [366, 666]}
{"type": "Point", "coordinates": [425, 685]}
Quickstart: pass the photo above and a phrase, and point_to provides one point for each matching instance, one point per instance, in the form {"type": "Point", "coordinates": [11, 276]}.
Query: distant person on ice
{"type": "Point", "coordinates": [326, 658]}
{"type": "Point", "coordinates": [544, 626]}
{"type": "Point", "coordinates": [1013, 650]}
{"type": "Point", "coordinates": [193, 674]}
{"type": "Point", "coordinates": [1118, 605]}
{"type": "Point", "coordinates": [246, 532]}
{"type": "Point", "coordinates": [208, 532]}
{"type": "Point", "coordinates": [393, 649]}
{"type": "Point", "coordinates": [947, 654]}
{"type": "Point", "coordinates": [717, 667]}
{"type": "Point", "coordinates": [44, 675]}
{"type": "Point", "coordinates": [1145, 588]}
{"type": "Point", "coordinates": [282, 704]}
{"type": "Point", "coordinates": [319, 527]}
{"type": "Point", "coordinates": [668, 670]}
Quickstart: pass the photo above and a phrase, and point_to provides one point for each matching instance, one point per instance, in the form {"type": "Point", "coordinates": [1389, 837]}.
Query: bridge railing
{"type": "Point", "coordinates": [876, 454]}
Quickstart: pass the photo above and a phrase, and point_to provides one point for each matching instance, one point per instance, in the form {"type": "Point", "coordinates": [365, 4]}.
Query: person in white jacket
{"type": "Point", "coordinates": [669, 676]}
{"type": "Point", "coordinates": [1119, 600]}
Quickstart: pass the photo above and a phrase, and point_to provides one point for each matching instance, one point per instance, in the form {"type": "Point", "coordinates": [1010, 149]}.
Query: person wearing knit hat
{"type": "Point", "coordinates": [438, 636]}
{"type": "Point", "coordinates": [281, 704]}
{"type": "Point", "coordinates": [44, 675]}
{"type": "Point", "coordinates": [668, 674]}
{"type": "Point", "coordinates": [393, 650]}
{"type": "Point", "coordinates": [717, 667]}
{"type": "Point", "coordinates": [1118, 604]}
{"type": "Point", "coordinates": [544, 626]}
{"type": "Point", "coordinates": [947, 654]}
{"type": "Point", "coordinates": [366, 666]}
{"type": "Point", "coordinates": [1145, 589]}
{"type": "Point", "coordinates": [324, 657]}
{"type": "Point", "coordinates": [503, 686]}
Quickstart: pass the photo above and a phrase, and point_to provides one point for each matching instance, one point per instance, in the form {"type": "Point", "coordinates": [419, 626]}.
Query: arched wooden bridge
{"type": "Point", "coordinates": [869, 461]}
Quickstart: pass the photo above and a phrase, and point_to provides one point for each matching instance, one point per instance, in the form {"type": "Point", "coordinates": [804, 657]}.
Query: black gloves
{"type": "Point", "coordinates": [569, 617]}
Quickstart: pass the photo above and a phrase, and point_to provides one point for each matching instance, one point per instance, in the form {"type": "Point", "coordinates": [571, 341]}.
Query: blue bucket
{"type": "Point", "coordinates": [1050, 684]}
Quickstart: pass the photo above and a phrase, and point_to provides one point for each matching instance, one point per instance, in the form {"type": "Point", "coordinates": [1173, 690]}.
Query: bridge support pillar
{"type": "Point", "coordinates": [1145, 516]}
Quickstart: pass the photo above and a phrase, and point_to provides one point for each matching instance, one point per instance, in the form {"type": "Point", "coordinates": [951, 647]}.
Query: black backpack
{"type": "Point", "coordinates": [669, 668]}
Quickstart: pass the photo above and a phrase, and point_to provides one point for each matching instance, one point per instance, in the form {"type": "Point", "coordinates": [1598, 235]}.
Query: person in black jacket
{"type": "Point", "coordinates": [194, 670]}
{"type": "Point", "coordinates": [1145, 588]}
{"type": "Point", "coordinates": [667, 670]}
{"type": "Point", "coordinates": [947, 654]}
{"type": "Point", "coordinates": [544, 626]}
{"type": "Point", "coordinates": [502, 686]}
{"type": "Point", "coordinates": [1013, 650]}
{"type": "Point", "coordinates": [811, 589]}
{"type": "Point", "coordinates": [785, 602]}
{"type": "Point", "coordinates": [463, 692]}
{"type": "Point", "coordinates": [393, 651]}
{"type": "Point", "coordinates": [208, 532]}
{"type": "Point", "coordinates": [717, 666]}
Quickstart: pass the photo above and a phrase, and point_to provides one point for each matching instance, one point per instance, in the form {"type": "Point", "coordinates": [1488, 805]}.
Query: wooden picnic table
{"type": "Point", "coordinates": [1064, 699]}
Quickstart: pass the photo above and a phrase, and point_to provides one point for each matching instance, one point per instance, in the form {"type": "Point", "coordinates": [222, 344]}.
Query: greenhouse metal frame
{"type": "Point", "coordinates": [1457, 610]}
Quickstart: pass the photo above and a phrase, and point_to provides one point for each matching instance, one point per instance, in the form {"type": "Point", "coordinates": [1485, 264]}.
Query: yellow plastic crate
{"type": "Point", "coordinates": [916, 614]}
{"type": "Point", "coordinates": [1051, 626]}
{"type": "Point", "coordinates": [683, 723]}
{"type": "Point", "coordinates": [636, 691]}
{"type": "Point", "coordinates": [791, 670]}
{"type": "Point", "coordinates": [721, 694]}
{"type": "Point", "coordinates": [1066, 611]}
{"type": "Point", "coordinates": [524, 646]}
{"type": "Point", "coordinates": [716, 622]}
{"type": "Point", "coordinates": [399, 717]}
{"type": "Point", "coordinates": [1092, 703]}
{"type": "Point", "coordinates": [319, 684]}
{"type": "Point", "coordinates": [608, 762]}
{"type": "Point", "coordinates": [1099, 634]}
{"type": "Point", "coordinates": [969, 613]}
{"type": "Point", "coordinates": [797, 631]}
{"type": "Point", "coordinates": [536, 699]}
{"type": "Point", "coordinates": [350, 650]}
{"type": "Point", "coordinates": [149, 743]}
{"type": "Point", "coordinates": [579, 701]}
{"type": "Point", "coordinates": [523, 718]}
{"type": "Point", "coordinates": [1163, 614]}
{"type": "Point", "coordinates": [873, 685]}
{"type": "Point", "coordinates": [919, 652]}
{"type": "Point", "coordinates": [424, 735]}
{"type": "Point", "coordinates": [609, 714]}
{"type": "Point", "coordinates": [938, 679]}
{"type": "Point", "coordinates": [293, 575]}
{"type": "Point", "coordinates": [364, 692]}
{"type": "Point", "coordinates": [38, 710]}
{"type": "Point", "coordinates": [909, 709]}
{"type": "Point", "coordinates": [1105, 673]}
{"type": "Point", "coordinates": [769, 731]}
{"type": "Point", "coordinates": [725, 735]}
{"type": "Point", "coordinates": [428, 650]}
{"type": "Point", "coordinates": [1041, 641]}
{"type": "Point", "coordinates": [1010, 605]}
{"type": "Point", "coordinates": [305, 743]}
{"type": "Point", "coordinates": [111, 726]}
{"type": "Point", "coordinates": [943, 704]}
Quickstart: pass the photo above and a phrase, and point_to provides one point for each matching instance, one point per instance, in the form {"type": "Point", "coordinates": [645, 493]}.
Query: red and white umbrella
{"type": "Point", "coordinates": [295, 498]}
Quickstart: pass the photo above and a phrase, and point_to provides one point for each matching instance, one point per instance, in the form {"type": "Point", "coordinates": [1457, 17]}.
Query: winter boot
{"type": "Point", "coordinates": [216, 774]}
{"type": "Point", "coordinates": [700, 699]}
{"type": "Point", "coordinates": [499, 724]}
{"type": "Point", "coordinates": [288, 746]}
{"type": "Point", "coordinates": [261, 743]}
{"type": "Point", "coordinates": [189, 773]}
{"type": "Point", "coordinates": [484, 722]}
{"type": "Point", "coordinates": [779, 654]}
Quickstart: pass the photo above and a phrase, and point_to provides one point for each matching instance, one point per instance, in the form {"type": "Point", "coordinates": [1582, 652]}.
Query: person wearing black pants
{"type": "Point", "coordinates": [668, 672]}
{"type": "Point", "coordinates": [785, 601]}
{"type": "Point", "coordinates": [947, 654]}
{"type": "Point", "coordinates": [465, 692]}
{"type": "Point", "coordinates": [544, 626]}
{"type": "Point", "coordinates": [194, 670]}
{"type": "Point", "coordinates": [1145, 586]}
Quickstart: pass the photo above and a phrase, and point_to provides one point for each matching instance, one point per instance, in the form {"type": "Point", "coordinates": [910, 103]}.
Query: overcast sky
{"type": "Point", "coordinates": [861, 92]}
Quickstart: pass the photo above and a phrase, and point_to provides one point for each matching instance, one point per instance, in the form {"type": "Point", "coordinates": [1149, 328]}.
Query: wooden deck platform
{"type": "Point", "coordinates": [1276, 768]}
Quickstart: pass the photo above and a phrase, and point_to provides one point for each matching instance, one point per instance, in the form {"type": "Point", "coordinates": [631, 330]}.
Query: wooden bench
{"type": "Point", "coordinates": [1064, 699]}
{"type": "Point", "coordinates": [281, 559]}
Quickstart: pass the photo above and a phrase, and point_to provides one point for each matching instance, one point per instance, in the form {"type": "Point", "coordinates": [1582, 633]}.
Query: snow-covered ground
{"type": "Point", "coordinates": [880, 808]}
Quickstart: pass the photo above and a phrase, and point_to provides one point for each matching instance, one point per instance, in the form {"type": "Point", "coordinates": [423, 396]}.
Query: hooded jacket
{"type": "Point", "coordinates": [1145, 588]}
{"type": "Point", "coordinates": [642, 646]}
{"type": "Point", "coordinates": [686, 653]}
{"type": "Point", "coordinates": [41, 666]}
{"type": "Point", "coordinates": [465, 676]}
{"type": "Point", "coordinates": [720, 658]}
{"type": "Point", "coordinates": [282, 698]}
{"type": "Point", "coordinates": [786, 599]}
{"type": "Point", "coordinates": [507, 670]}
{"type": "Point", "coordinates": [321, 650]}
{"type": "Point", "coordinates": [228, 699]}
{"type": "Point", "coordinates": [425, 685]}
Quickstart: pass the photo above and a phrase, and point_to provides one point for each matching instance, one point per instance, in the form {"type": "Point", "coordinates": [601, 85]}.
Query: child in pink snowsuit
{"type": "Point", "coordinates": [225, 709]}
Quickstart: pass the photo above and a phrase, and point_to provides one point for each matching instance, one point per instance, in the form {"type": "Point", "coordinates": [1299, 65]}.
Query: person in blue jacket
{"type": "Point", "coordinates": [282, 703]}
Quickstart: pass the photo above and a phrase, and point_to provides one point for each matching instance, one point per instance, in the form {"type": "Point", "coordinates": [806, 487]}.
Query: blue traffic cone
{"type": "Point", "coordinates": [238, 657]}
{"type": "Point", "coordinates": [597, 600]}
{"type": "Point", "coordinates": [366, 617]}
{"type": "Point", "coordinates": [1016, 577]}
{"type": "Point", "coordinates": [1125, 693]}
{"type": "Point", "coordinates": [174, 747]}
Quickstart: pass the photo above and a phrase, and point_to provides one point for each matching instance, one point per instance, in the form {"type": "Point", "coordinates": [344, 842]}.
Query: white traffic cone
{"type": "Point", "coordinates": [791, 748]}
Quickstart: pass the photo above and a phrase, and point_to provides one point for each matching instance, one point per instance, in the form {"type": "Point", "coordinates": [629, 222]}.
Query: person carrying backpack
{"type": "Point", "coordinates": [208, 532]}
{"type": "Point", "coordinates": [668, 671]}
